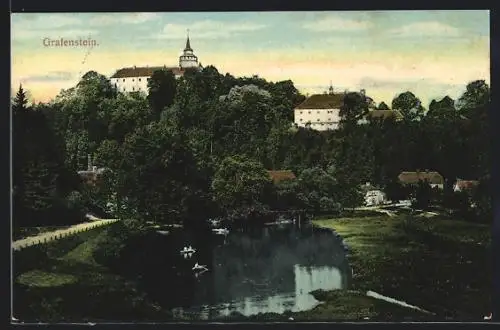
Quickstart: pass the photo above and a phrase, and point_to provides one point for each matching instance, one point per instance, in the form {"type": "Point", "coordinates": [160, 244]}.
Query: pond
{"type": "Point", "coordinates": [271, 269]}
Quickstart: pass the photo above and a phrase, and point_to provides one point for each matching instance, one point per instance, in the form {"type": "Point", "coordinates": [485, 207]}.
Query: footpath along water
{"type": "Point", "coordinates": [58, 234]}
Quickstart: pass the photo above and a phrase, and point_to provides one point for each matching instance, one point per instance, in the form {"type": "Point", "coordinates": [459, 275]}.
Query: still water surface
{"type": "Point", "coordinates": [262, 270]}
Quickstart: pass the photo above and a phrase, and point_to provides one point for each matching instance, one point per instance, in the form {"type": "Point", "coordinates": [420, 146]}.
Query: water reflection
{"type": "Point", "coordinates": [271, 269]}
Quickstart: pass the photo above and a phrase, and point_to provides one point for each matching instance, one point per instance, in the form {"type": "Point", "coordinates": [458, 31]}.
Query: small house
{"type": "Point", "coordinates": [465, 185]}
{"type": "Point", "coordinates": [381, 115]}
{"type": "Point", "coordinates": [434, 179]}
{"type": "Point", "coordinates": [279, 176]}
{"type": "Point", "coordinates": [374, 197]}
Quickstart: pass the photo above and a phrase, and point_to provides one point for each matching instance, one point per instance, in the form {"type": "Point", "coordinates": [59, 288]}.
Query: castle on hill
{"type": "Point", "coordinates": [135, 79]}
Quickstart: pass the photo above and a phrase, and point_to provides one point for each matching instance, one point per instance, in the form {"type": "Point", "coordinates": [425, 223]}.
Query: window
{"type": "Point", "coordinates": [317, 111]}
{"type": "Point", "coordinates": [318, 119]}
{"type": "Point", "coordinates": [133, 89]}
{"type": "Point", "coordinates": [132, 79]}
{"type": "Point", "coordinates": [139, 79]}
{"type": "Point", "coordinates": [300, 119]}
{"type": "Point", "coordinates": [301, 112]}
{"type": "Point", "coordinates": [309, 112]}
{"type": "Point", "coordinates": [123, 79]}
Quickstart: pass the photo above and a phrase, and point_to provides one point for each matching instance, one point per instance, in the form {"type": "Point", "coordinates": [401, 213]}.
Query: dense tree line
{"type": "Point", "coordinates": [200, 146]}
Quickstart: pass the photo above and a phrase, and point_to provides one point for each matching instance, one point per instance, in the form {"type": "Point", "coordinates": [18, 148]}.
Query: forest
{"type": "Point", "coordinates": [200, 146]}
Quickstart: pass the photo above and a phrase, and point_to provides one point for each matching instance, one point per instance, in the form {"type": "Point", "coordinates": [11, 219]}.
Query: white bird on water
{"type": "Point", "coordinates": [188, 250]}
{"type": "Point", "coordinates": [221, 231]}
{"type": "Point", "coordinates": [198, 267]}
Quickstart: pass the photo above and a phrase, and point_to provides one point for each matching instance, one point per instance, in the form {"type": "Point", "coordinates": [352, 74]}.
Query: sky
{"type": "Point", "coordinates": [430, 53]}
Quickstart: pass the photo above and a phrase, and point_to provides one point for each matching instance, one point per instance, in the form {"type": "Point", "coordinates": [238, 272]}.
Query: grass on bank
{"type": "Point", "coordinates": [439, 264]}
{"type": "Point", "coordinates": [61, 282]}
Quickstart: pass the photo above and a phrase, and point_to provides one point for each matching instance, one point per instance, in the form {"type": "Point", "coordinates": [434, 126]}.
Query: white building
{"type": "Point", "coordinates": [320, 111]}
{"type": "Point", "coordinates": [374, 197]}
{"type": "Point", "coordinates": [135, 79]}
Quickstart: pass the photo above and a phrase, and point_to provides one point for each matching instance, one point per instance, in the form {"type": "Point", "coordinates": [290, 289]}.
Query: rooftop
{"type": "Point", "coordinates": [323, 101]}
{"type": "Point", "coordinates": [466, 184]}
{"type": "Point", "coordinates": [144, 71]}
{"type": "Point", "coordinates": [278, 176]}
{"type": "Point", "coordinates": [385, 114]}
{"type": "Point", "coordinates": [414, 177]}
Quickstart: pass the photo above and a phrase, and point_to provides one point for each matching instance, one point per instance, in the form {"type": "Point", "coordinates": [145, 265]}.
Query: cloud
{"type": "Point", "coordinates": [52, 76]}
{"type": "Point", "coordinates": [118, 18]}
{"type": "Point", "coordinates": [336, 24]}
{"type": "Point", "coordinates": [208, 29]}
{"type": "Point", "coordinates": [31, 21]}
{"type": "Point", "coordinates": [426, 29]}
{"type": "Point", "coordinates": [32, 26]}
{"type": "Point", "coordinates": [18, 34]}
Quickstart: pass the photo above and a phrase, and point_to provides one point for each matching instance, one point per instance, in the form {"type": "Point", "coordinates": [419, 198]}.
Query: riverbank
{"type": "Point", "coordinates": [439, 264]}
{"type": "Point", "coordinates": [62, 282]}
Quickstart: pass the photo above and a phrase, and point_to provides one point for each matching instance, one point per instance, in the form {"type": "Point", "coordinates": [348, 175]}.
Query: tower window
{"type": "Point", "coordinates": [139, 79]}
{"type": "Point", "coordinates": [123, 79]}
{"type": "Point", "coordinates": [133, 89]}
{"type": "Point", "coordinates": [132, 79]}
{"type": "Point", "coordinates": [309, 112]}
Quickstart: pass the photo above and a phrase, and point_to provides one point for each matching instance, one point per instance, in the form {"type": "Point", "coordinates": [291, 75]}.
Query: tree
{"type": "Point", "coordinates": [423, 195]}
{"type": "Point", "coordinates": [240, 183]}
{"type": "Point", "coordinates": [162, 88]}
{"type": "Point", "coordinates": [477, 94]}
{"type": "Point", "coordinates": [354, 107]}
{"type": "Point", "coordinates": [409, 106]}
{"type": "Point", "coordinates": [95, 86]}
{"type": "Point", "coordinates": [37, 165]}
{"type": "Point", "coordinates": [159, 178]}
{"type": "Point", "coordinates": [445, 108]}
{"type": "Point", "coordinates": [383, 106]}
{"type": "Point", "coordinates": [20, 102]}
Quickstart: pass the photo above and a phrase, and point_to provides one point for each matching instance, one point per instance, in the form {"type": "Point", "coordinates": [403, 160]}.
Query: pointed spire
{"type": "Point", "coordinates": [188, 44]}
{"type": "Point", "coordinates": [330, 90]}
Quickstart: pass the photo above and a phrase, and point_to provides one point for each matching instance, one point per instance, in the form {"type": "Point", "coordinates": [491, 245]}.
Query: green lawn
{"type": "Point", "coordinates": [61, 281]}
{"type": "Point", "coordinates": [441, 265]}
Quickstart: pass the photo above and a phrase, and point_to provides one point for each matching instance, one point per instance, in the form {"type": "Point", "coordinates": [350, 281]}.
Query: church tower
{"type": "Point", "coordinates": [188, 59]}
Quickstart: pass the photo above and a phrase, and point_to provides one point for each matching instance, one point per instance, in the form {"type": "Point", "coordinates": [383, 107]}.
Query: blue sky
{"type": "Point", "coordinates": [431, 53]}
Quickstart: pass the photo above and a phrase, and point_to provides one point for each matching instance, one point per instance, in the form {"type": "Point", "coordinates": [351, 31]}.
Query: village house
{"type": "Point", "coordinates": [434, 179]}
{"type": "Point", "coordinates": [321, 112]}
{"type": "Point", "coordinates": [465, 185]}
{"type": "Point", "coordinates": [373, 195]}
{"type": "Point", "coordinates": [135, 79]}
{"type": "Point", "coordinates": [279, 176]}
